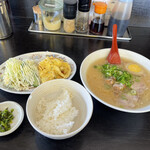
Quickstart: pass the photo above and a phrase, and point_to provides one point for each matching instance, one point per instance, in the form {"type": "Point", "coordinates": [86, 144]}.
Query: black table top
{"type": "Point", "coordinates": [108, 128]}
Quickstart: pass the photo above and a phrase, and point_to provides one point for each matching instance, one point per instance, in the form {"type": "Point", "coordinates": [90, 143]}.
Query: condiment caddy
{"type": "Point", "coordinates": [72, 18]}
{"type": "Point", "coordinates": [35, 28]}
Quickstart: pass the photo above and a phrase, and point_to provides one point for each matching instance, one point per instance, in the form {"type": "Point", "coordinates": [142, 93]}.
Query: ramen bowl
{"type": "Point", "coordinates": [81, 100]}
{"type": "Point", "coordinates": [103, 53]}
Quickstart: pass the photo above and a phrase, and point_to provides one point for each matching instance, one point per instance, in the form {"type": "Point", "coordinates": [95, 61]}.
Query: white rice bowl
{"type": "Point", "coordinates": [75, 110]}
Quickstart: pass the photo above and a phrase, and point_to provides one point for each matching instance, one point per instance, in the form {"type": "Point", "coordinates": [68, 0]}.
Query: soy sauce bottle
{"type": "Point", "coordinates": [97, 22]}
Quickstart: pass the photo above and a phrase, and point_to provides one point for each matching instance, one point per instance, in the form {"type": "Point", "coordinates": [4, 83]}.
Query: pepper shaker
{"type": "Point", "coordinates": [82, 20]}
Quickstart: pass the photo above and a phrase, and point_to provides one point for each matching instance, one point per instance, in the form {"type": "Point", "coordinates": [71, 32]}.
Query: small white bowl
{"type": "Point", "coordinates": [103, 53]}
{"type": "Point", "coordinates": [18, 115]}
{"type": "Point", "coordinates": [82, 101]}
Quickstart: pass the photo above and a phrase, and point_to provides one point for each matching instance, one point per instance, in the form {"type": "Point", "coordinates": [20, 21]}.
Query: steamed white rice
{"type": "Point", "coordinates": [56, 116]}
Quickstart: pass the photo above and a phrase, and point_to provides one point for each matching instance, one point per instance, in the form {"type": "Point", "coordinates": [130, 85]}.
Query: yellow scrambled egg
{"type": "Point", "coordinates": [53, 68]}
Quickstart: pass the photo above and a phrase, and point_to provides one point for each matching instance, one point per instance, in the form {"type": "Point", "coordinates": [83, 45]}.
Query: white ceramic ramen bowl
{"type": "Point", "coordinates": [91, 58]}
{"type": "Point", "coordinates": [81, 99]}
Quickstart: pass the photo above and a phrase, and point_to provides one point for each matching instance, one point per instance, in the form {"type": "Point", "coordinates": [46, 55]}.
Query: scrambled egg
{"type": "Point", "coordinates": [53, 68]}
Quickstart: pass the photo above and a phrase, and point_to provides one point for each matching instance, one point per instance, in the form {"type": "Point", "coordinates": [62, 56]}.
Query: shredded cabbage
{"type": "Point", "coordinates": [21, 74]}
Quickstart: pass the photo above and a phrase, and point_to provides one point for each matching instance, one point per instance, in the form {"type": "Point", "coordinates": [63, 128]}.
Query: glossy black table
{"type": "Point", "coordinates": [108, 129]}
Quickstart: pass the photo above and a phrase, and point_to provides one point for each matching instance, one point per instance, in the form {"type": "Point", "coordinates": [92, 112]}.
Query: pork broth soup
{"type": "Point", "coordinates": [125, 86]}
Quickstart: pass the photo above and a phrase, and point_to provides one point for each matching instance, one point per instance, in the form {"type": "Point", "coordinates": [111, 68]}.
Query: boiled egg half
{"type": "Point", "coordinates": [134, 69]}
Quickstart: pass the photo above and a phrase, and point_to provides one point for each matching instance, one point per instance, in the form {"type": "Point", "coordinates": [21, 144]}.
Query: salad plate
{"type": "Point", "coordinates": [37, 57]}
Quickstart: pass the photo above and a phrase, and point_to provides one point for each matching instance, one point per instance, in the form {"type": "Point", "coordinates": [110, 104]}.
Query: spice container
{"type": "Point", "coordinates": [82, 20]}
{"type": "Point", "coordinates": [37, 15]}
{"type": "Point", "coordinates": [121, 13]}
{"type": "Point", "coordinates": [69, 13]}
{"type": "Point", "coordinates": [51, 14]}
{"type": "Point", "coordinates": [98, 18]}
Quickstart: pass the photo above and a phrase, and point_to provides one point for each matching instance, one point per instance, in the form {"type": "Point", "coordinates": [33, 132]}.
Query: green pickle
{"type": "Point", "coordinates": [6, 118]}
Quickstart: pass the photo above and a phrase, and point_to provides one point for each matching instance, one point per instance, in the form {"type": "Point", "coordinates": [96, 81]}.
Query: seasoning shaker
{"type": "Point", "coordinates": [82, 19]}
{"type": "Point", "coordinates": [69, 13]}
{"type": "Point", "coordinates": [98, 18]}
{"type": "Point", "coordinates": [37, 15]}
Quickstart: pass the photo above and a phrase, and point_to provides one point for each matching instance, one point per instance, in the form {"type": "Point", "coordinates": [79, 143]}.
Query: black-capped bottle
{"type": "Point", "coordinates": [82, 19]}
{"type": "Point", "coordinates": [69, 13]}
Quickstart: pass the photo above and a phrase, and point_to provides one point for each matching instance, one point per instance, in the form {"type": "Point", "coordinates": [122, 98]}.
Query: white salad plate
{"type": "Point", "coordinates": [37, 57]}
{"type": "Point", "coordinates": [18, 114]}
{"type": "Point", "coordinates": [103, 53]}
